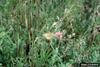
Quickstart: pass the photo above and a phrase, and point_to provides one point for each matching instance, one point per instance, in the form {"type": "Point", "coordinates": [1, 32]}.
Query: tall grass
{"type": "Point", "coordinates": [23, 23]}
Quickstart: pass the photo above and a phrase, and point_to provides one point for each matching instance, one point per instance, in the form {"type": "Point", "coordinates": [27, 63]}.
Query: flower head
{"type": "Point", "coordinates": [58, 35]}
{"type": "Point", "coordinates": [48, 35]}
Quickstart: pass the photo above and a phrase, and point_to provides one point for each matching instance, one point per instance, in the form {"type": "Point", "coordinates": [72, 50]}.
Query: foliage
{"type": "Point", "coordinates": [23, 23]}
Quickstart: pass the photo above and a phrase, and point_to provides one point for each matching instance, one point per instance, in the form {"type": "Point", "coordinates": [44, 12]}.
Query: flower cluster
{"type": "Point", "coordinates": [49, 35]}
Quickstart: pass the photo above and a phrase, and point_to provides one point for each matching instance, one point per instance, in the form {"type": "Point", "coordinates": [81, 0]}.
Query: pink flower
{"type": "Point", "coordinates": [58, 35]}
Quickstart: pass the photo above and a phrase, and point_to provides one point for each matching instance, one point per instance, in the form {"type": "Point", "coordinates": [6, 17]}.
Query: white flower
{"type": "Point", "coordinates": [48, 35]}
{"type": "Point", "coordinates": [73, 34]}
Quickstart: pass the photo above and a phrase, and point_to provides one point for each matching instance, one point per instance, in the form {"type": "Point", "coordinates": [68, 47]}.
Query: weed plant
{"type": "Point", "coordinates": [24, 22]}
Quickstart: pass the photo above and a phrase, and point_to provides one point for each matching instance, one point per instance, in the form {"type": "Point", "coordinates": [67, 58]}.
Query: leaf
{"type": "Point", "coordinates": [2, 34]}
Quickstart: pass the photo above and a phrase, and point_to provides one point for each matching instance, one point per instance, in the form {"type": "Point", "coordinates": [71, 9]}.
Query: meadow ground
{"type": "Point", "coordinates": [49, 33]}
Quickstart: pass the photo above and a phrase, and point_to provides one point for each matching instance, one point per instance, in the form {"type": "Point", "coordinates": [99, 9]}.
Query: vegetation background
{"type": "Point", "coordinates": [24, 22]}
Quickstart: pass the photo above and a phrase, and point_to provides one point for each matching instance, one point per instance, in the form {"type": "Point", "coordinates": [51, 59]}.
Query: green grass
{"type": "Point", "coordinates": [23, 23]}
